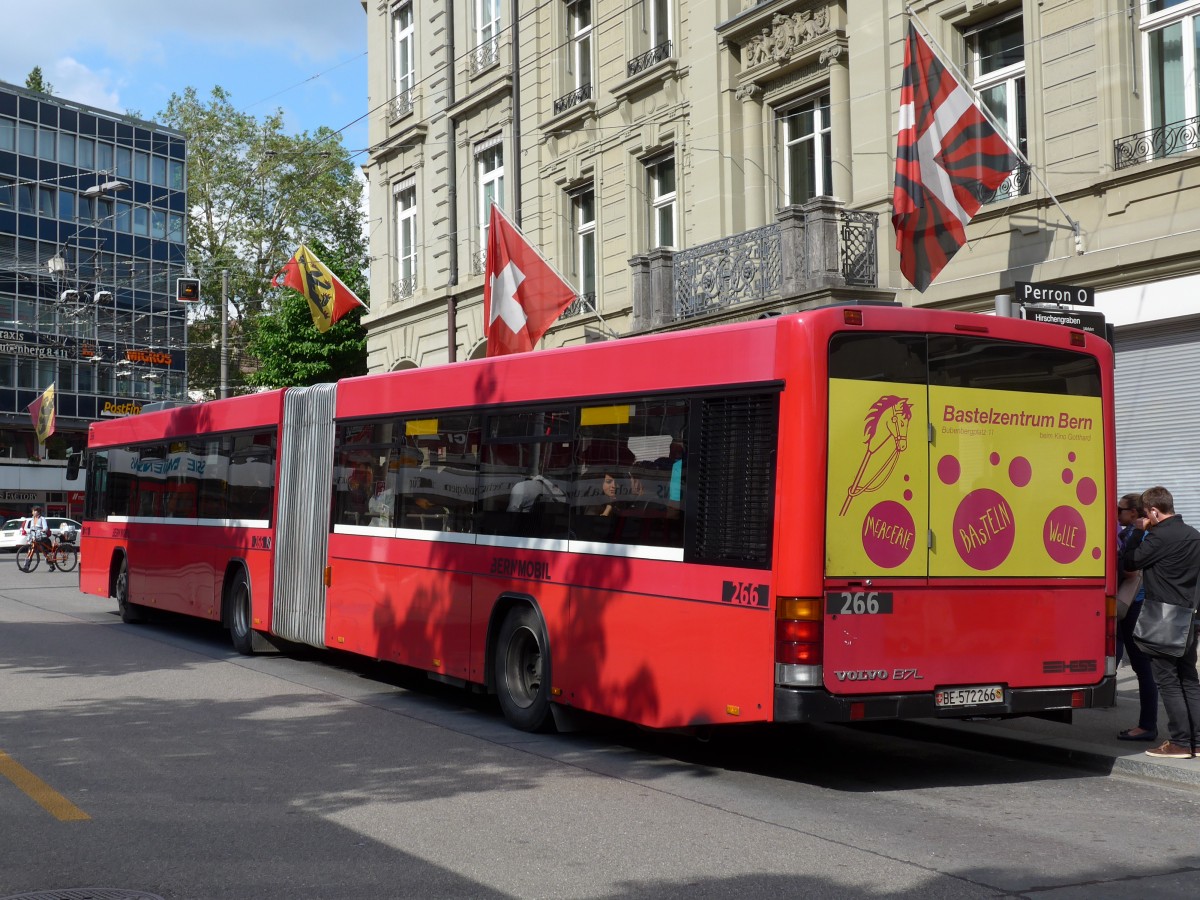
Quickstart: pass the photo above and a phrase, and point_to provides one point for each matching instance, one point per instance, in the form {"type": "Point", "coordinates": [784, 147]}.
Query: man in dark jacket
{"type": "Point", "coordinates": [1169, 557]}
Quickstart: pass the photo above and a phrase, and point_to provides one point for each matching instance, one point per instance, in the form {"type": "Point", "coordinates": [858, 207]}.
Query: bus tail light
{"type": "Point", "coordinates": [1110, 636]}
{"type": "Point", "coordinates": [798, 635]}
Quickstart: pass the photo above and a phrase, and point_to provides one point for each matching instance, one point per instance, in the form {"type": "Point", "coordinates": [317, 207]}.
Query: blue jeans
{"type": "Point", "coordinates": [1140, 663]}
{"type": "Point", "coordinates": [1179, 685]}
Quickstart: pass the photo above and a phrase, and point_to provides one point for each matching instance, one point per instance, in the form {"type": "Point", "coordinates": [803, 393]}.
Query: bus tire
{"type": "Point", "coordinates": [522, 670]}
{"type": "Point", "coordinates": [131, 613]}
{"type": "Point", "coordinates": [241, 630]}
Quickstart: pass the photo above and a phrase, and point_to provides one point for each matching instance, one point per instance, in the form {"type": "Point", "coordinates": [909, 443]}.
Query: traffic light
{"type": "Point", "coordinates": [187, 290]}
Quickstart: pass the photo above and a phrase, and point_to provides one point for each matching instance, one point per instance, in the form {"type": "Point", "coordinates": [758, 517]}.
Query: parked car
{"type": "Point", "coordinates": [13, 536]}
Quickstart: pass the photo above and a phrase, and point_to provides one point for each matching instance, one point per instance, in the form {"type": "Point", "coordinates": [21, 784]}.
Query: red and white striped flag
{"type": "Point", "coordinates": [948, 155]}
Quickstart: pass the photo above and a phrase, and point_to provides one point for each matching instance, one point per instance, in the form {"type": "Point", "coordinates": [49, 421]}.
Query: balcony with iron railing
{"type": "Point", "coordinates": [641, 63]}
{"type": "Point", "coordinates": [1015, 185]}
{"type": "Point", "coordinates": [479, 261]}
{"type": "Point", "coordinates": [484, 56]}
{"type": "Point", "coordinates": [403, 288]}
{"type": "Point", "coordinates": [577, 96]}
{"type": "Point", "coordinates": [581, 305]}
{"type": "Point", "coordinates": [744, 268]}
{"type": "Point", "coordinates": [819, 246]}
{"type": "Point", "coordinates": [401, 105]}
{"type": "Point", "coordinates": [1157, 143]}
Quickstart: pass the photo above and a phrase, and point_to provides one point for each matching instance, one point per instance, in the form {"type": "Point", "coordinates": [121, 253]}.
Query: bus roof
{"type": "Point", "coordinates": [758, 351]}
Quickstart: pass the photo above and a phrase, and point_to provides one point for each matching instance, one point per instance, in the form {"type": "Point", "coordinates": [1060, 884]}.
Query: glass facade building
{"type": "Point", "coordinates": [93, 228]}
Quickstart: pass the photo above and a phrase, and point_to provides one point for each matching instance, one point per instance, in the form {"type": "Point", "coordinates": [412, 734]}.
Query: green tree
{"type": "Point", "coordinates": [255, 193]}
{"type": "Point", "coordinates": [35, 82]}
{"type": "Point", "coordinates": [290, 349]}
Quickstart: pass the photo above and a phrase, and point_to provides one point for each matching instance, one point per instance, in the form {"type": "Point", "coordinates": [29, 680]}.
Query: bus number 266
{"type": "Point", "coordinates": [859, 603]}
{"type": "Point", "coordinates": [744, 593]}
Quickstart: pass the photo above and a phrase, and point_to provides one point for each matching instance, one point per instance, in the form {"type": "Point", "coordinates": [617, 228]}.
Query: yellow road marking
{"type": "Point", "coordinates": [41, 793]}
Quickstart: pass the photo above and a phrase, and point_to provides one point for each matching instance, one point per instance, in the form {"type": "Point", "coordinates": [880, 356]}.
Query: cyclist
{"type": "Point", "coordinates": [39, 534]}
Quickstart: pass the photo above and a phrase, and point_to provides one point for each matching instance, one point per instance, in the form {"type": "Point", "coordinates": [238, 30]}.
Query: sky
{"type": "Point", "coordinates": [306, 57]}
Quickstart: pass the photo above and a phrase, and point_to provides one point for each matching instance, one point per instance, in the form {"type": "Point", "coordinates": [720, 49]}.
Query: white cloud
{"type": "Point", "coordinates": [70, 78]}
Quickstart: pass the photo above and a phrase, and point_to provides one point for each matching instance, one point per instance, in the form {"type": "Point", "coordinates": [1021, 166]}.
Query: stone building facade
{"type": "Point", "coordinates": [684, 163]}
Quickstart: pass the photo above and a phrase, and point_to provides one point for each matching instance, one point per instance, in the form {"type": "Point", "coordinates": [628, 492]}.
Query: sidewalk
{"type": "Point", "coordinates": [1089, 742]}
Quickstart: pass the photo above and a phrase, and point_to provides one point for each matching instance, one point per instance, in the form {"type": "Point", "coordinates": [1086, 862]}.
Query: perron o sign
{"type": "Point", "coordinates": [1062, 294]}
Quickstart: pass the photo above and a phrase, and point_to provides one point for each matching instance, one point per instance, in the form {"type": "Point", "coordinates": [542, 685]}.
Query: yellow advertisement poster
{"type": "Point", "coordinates": [1016, 484]}
{"type": "Point", "coordinates": [878, 479]}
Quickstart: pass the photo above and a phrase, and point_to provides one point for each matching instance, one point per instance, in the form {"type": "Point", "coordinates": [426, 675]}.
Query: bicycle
{"type": "Point", "coordinates": [61, 554]}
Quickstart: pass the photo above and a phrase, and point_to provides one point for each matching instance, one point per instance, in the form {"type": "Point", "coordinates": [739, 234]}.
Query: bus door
{"type": "Point", "coordinates": [965, 525]}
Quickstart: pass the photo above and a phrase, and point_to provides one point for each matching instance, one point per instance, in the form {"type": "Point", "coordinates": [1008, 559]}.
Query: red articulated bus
{"type": "Point", "coordinates": [859, 512]}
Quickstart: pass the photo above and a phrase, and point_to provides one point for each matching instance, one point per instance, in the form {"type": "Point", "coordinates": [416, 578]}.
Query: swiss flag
{"type": "Point", "coordinates": [948, 156]}
{"type": "Point", "coordinates": [522, 294]}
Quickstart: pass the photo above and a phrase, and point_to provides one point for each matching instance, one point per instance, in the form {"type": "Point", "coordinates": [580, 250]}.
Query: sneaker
{"type": "Point", "coordinates": [1171, 751]}
{"type": "Point", "coordinates": [52, 569]}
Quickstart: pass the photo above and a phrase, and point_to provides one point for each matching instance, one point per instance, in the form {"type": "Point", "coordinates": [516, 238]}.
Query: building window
{"type": "Point", "coordinates": [583, 214]}
{"type": "Point", "coordinates": [806, 140]}
{"type": "Point", "coordinates": [488, 20]}
{"type": "Point", "coordinates": [996, 56]}
{"type": "Point", "coordinates": [46, 202]}
{"type": "Point", "coordinates": [46, 144]}
{"type": "Point", "coordinates": [1172, 38]}
{"type": "Point", "coordinates": [6, 192]}
{"type": "Point", "coordinates": [28, 139]}
{"type": "Point", "coordinates": [124, 162]}
{"type": "Point", "coordinates": [489, 168]}
{"type": "Point", "coordinates": [405, 194]}
{"type": "Point", "coordinates": [656, 22]}
{"type": "Point", "coordinates": [654, 35]}
{"type": "Point", "coordinates": [487, 33]}
{"type": "Point", "coordinates": [404, 53]}
{"type": "Point", "coordinates": [66, 148]}
{"type": "Point", "coordinates": [579, 34]}
{"type": "Point", "coordinates": [661, 177]}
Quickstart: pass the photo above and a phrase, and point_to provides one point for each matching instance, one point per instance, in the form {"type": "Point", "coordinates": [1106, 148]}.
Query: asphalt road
{"type": "Point", "coordinates": [152, 758]}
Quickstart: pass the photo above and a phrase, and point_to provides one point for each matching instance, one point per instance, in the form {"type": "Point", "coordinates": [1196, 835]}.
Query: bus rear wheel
{"type": "Point", "coordinates": [522, 670]}
{"type": "Point", "coordinates": [130, 612]}
{"type": "Point", "coordinates": [241, 629]}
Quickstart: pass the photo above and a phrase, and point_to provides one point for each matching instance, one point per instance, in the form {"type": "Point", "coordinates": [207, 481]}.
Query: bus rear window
{"type": "Point", "coordinates": [951, 360]}
{"type": "Point", "coordinates": [972, 362]}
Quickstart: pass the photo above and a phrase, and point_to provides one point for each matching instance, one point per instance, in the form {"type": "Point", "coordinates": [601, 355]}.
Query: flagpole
{"type": "Point", "coordinates": [553, 268]}
{"type": "Point", "coordinates": [1000, 129]}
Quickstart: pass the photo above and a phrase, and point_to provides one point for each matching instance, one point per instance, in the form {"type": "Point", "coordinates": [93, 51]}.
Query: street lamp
{"type": "Point", "coordinates": [109, 187]}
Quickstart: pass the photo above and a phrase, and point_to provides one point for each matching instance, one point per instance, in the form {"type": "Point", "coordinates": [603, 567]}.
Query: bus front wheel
{"type": "Point", "coordinates": [241, 631]}
{"type": "Point", "coordinates": [522, 670]}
